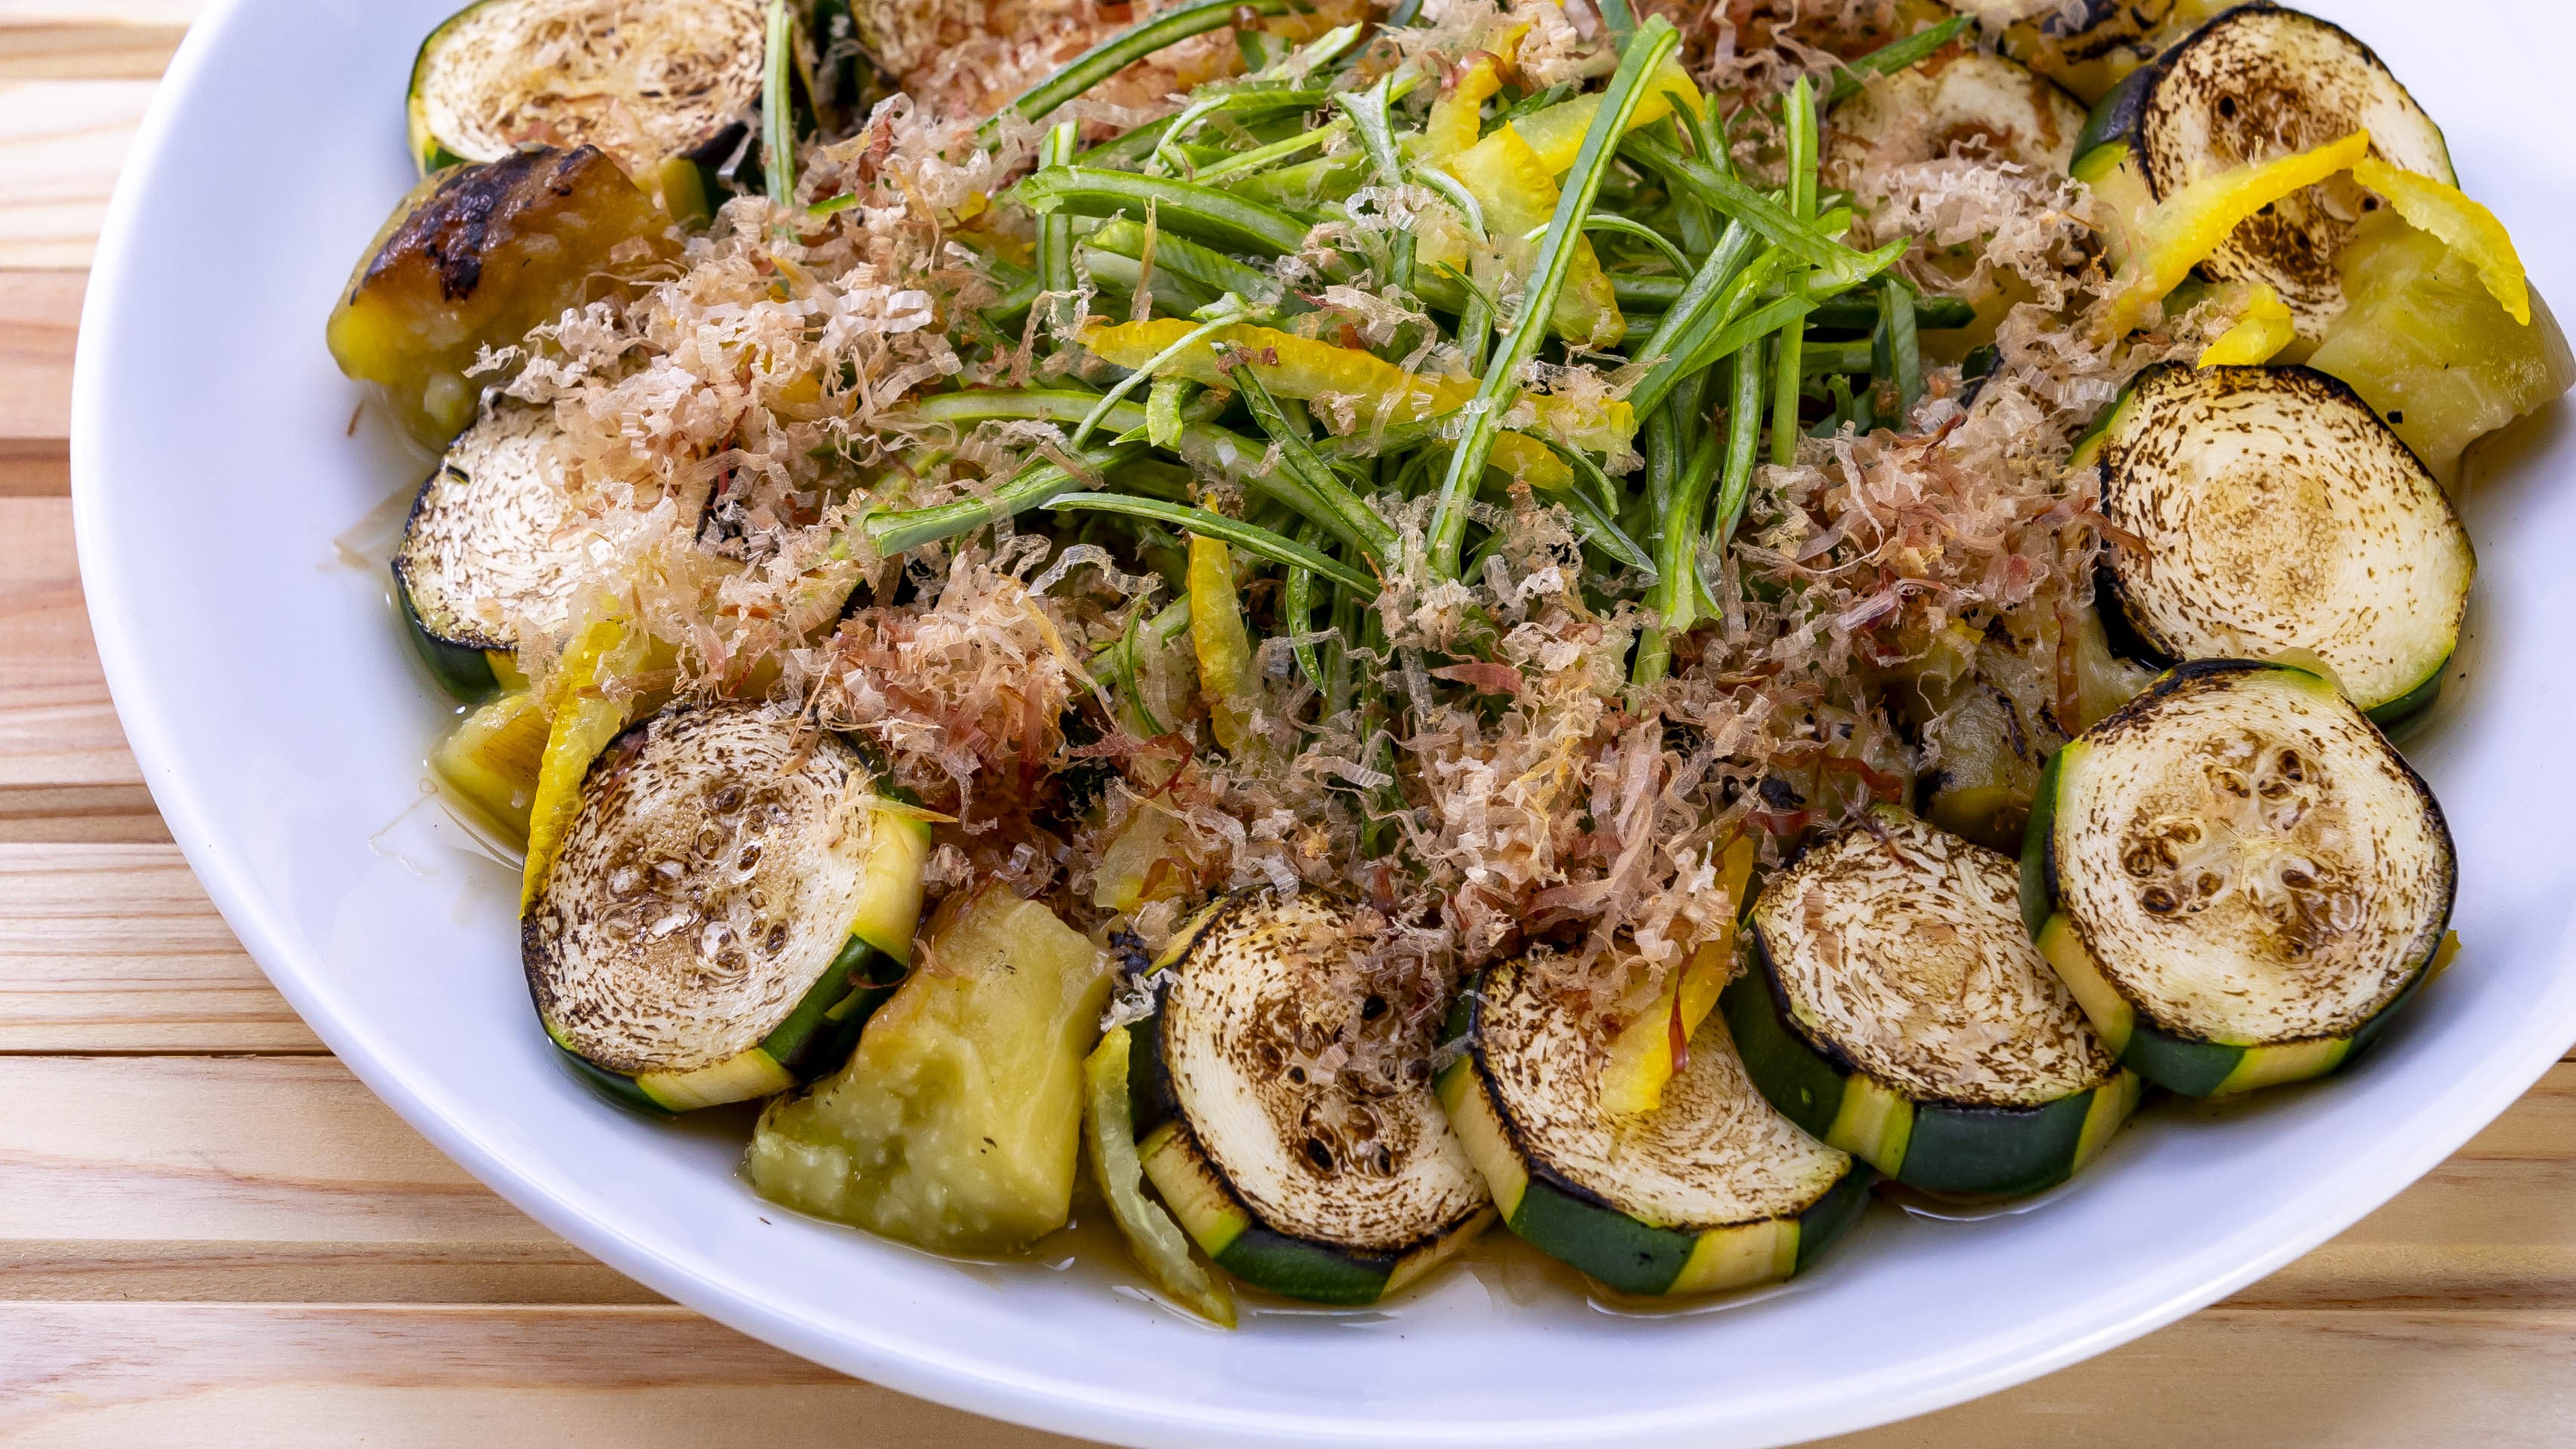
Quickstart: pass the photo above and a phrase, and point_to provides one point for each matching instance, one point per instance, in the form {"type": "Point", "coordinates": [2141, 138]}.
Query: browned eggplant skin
{"type": "Point", "coordinates": [474, 257]}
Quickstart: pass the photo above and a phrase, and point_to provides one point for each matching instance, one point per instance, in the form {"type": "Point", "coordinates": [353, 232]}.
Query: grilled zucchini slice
{"type": "Point", "coordinates": [1314, 1190]}
{"type": "Point", "coordinates": [1957, 98]}
{"type": "Point", "coordinates": [491, 548]}
{"type": "Point", "coordinates": [2253, 85]}
{"type": "Point", "coordinates": [473, 258]}
{"type": "Point", "coordinates": [666, 87]}
{"type": "Point", "coordinates": [2238, 877]}
{"type": "Point", "coordinates": [2091, 45]}
{"type": "Point", "coordinates": [1896, 1009]}
{"type": "Point", "coordinates": [725, 911]}
{"type": "Point", "coordinates": [2274, 510]}
{"type": "Point", "coordinates": [1713, 1189]}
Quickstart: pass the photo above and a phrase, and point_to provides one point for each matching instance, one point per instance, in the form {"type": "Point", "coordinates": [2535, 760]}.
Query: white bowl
{"type": "Point", "coordinates": [282, 723]}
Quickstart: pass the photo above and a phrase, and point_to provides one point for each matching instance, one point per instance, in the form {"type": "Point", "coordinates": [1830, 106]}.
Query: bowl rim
{"type": "Point", "coordinates": [989, 1387]}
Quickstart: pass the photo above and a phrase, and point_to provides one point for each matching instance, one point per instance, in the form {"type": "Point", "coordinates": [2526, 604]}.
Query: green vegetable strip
{"type": "Point", "coordinates": [1798, 114]}
{"type": "Point", "coordinates": [1733, 198]}
{"type": "Point", "coordinates": [1643, 56]}
{"type": "Point", "coordinates": [1202, 213]}
{"type": "Point", "coordinates": [1123, 151]}
{"type": "Point", "coordinates": [1677, 588]}
{"type": "Point", "coordinates": [1036, 484]}
{"type": "Point", "coordinates": [1114, 54]}
{"type": "Point", "coordinates": [1055, 233]}
{"type": "Point", "coordinates": [1277, 151]}
{"type": "Point", "coordinates": [1581, 462]}
{"type": "Point", "coordinates": [1889, 59]}
{"type": "Point", "coordinates": [1673, 340]}
{"type": "Point", "coordinates": [1624, 227]}
{"type": "Point", "coordinates": [1259, 542]}
{"type": "Point", "coordinates": [1603, 532]}
{"type": "Point", "coordinates": [1352, 518]}
{"type": "Point", "coordinates": [1204, 446]}
{"type": "Point", "coordinates": [1206, 266]}
{"type": "Point", "coordinates": [1905, 349]}
{"type": "Point", "coordinates": [1167, 152]}
{"type": "Point", "coordinates": [1367, 111]}
{"type": "Point", "coordinates": [1743, 446]}
{"type": "Point", "coordinates": [778, 106]}
{"type": "Point", "coordinates": [1298, 600]}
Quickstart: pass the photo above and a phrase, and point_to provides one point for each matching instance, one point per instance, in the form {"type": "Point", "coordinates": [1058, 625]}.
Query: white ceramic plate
{"type": "Point", "coordinates": [282, 724]}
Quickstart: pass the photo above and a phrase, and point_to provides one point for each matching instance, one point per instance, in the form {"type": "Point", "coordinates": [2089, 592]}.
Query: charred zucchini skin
{"type": "Point", "coordinates": [1576, 1226]}
{"type": "Point", "coordinates": [2192, 1066]}
{"type": "Point", "coordinates": [1216, 1216]}
{"type": "Point", "coordinates": [2125, 628]}
{"type": "Point", "coordinates": [815, 1038]}
{"type": "Point", "coordinates": [1945, 1147]}
{"type": "Point", "coordinates": [464, 670]}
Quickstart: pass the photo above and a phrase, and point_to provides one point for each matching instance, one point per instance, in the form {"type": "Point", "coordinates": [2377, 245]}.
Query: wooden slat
{"type": "Point", "coordinates": [115, 948]}
{"type": "Point", "coordinates": [39, 316]}
{"type": "Point", "coordinates": [70, 50]}
{"type": "Point", "coordinates": [270, 1171]}
{"type": "Point", "coordinates": [57, 726]}
{"type": "Point", "coordinates": [96, 1373]}
{"type": "Point", "coordinates": [64, 140]}
{"type": "Point", "coordinates": [566, 1378]}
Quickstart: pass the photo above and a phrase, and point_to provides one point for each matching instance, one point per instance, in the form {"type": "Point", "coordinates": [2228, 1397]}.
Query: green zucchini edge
{"type": "Point", "coordinates": [1575, 1226]}
{"type": "Point", "coordinates": [1947, 1147]}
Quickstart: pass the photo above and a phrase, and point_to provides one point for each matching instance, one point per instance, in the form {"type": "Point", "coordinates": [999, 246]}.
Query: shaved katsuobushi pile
{"type": "Point", "coordinates": [1343, 548]}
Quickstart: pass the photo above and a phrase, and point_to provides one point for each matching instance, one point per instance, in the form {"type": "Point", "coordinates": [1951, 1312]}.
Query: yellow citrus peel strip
{"type": "Point", "coordinates": [2464, 226]}
{"type": "Point", "coordinates": [2187, 226]}
{"type": "Point", "coordinates": [2257, 337]}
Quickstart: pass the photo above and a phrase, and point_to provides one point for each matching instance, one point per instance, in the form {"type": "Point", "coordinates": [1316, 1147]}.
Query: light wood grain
{"type": "Point", "coordinates": [254, 1164]}
{"type": "Point", "coordinates": [67, 50]}
{"type": "Point", "coordinates": [65, 141]}
{"type": "Point", "coordinates": [57, 725]}
{"type": "Point", "coordinates": [39, 317]}
{"type": "Point", "coordinates": [115, 948]}
{"type": "Point", "coordinates": [214, 1375]}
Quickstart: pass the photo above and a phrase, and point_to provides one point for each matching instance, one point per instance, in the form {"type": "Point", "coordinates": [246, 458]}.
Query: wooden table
{"type": "Point", "coordinates": [211, 1234]}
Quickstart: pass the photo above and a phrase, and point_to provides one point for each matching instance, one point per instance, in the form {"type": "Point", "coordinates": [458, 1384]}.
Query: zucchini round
{"type": "Point", "coordinates": [1313, 1190]}
{"type": "Point", "coordinates": [488, 550]}
{"type": "Point", "coordinates": [1711, 1190]}
{"type": "Point", "coordinates": [2237, 876]}
{"type": "Point", "coordinates": [724, 912]}
{"type": "Point", "coordinates": [1896, 1009]}
{"type": "Point", "coordinates": [1958, 98]}
{"type": "Point", "coordinates": [2273, 510]}
{"type": "Point", "coordinates": [2253, 85]}
{"type": "Point", "coordinates": [647, 81]}
{"type": "Point", "coordinates": [2087, 46]}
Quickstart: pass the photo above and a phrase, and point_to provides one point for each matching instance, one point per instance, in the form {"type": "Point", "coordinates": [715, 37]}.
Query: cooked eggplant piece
{"type": "Point", "coordinates": [2273, 510]}
{"type": "Point", "coordinates": [1328, 1191]}
{"type": "Point", "coordinates": [2238, 877]}
{"type": "Point", "coordinates": [725, 911]}
{"type": "Point", "coordinates": [1713, 1189]}
{"type": "Point", "coordinates": [957, 1123]}
{"type": "Point", "coordinates": [474, 257]}
{"type": "Point", "coordinates": [665, 87]}
{"type": "Point", "coordinates": [1896, 1009]}
{"type": "Point", "coordinates": [2427, 345]}
{"type": "Point", "coordinates": [2093, 45]}
{"type": "Point", "coordinates": [1957, 98]}
{"type": "Point", "coordinates": [2254, 85]}
{"type": "Point", "coordinates": [488, 550]}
